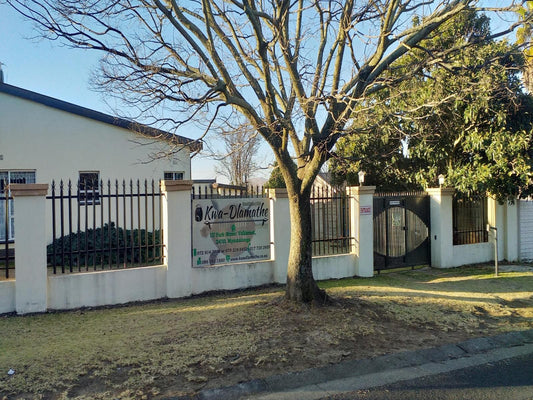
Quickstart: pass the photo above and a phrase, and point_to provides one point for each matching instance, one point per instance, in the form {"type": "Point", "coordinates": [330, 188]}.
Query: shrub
{"type": "Point", "coordinates": [107, 245]}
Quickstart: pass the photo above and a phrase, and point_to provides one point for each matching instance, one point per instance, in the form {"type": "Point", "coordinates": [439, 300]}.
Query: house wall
{"type": "Point", "coordinates": [58, 144]}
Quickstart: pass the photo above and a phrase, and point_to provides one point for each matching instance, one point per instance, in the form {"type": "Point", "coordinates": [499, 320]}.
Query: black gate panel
{"type": "Point", "coordinates": [401, 231]}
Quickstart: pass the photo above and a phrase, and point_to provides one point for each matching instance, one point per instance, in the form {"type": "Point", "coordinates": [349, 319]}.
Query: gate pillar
{"type": "Point", "coordinates": [31, 289]}
{"type": "Point", "coordinates": [362, 228]}
{"type": "Point", "coordinates": [280, 232]}
{"type": "Point", "coordinates": [441, 235]}
{"type": "Point", "coordinates": [176, 207]}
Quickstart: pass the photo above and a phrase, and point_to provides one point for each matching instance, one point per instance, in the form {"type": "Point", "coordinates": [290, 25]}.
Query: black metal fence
{"type": "Point", "coordinates": [470, 219]}
{"type": "Point", "coordinates": [97, 226]}
{"type": "Point", "coordinates": [7, 250]}
{"type": "Point", "coordinates": [330, 213]}
{"type": "Point", "coordinates": [227, 191]}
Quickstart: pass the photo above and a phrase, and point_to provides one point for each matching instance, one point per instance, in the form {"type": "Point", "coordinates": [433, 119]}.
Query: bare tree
{"type": "Point", "coordinates": [241, 144]}
{"type": "Point", "coordinates": [296, 70]}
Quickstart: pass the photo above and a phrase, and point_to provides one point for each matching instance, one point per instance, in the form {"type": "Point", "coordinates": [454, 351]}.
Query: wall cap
{"type": "Point", "coordinates": [359, 190]}
{"type": "Point", "coordinates": [445, 191]}
{"type": "Point", "coordinates": [176, 186]}
{"type": "Point", "coordinates": [278, 193]}
{"type": "Point", "coordinates": [28, 189]}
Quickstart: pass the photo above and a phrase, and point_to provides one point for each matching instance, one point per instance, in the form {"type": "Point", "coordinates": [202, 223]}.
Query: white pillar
{"type": "Point", "coordinates": [511, 232]}
{"type": "Point", "coordinates": [177, 233]}
{"type": "Point", "coordinates": [30, 247]}
{"type": "Point", "coordinates": [496, 218]}
{"type": "Point", "coordinates": [441, 233]}
{"type": "Point", "coordinates": [362, 228]}
{"type": "Point", "coordinates": [280, 233]}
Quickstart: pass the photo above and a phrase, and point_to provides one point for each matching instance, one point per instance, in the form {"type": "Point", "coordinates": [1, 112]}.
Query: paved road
{"type": "Point", "coordinates": [510, 379]}
{"type": "Point", "coordinates": [493, 368]}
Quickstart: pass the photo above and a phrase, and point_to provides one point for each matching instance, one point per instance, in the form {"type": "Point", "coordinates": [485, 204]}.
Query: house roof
{"type": "Point", "coordinates": [99, 116]}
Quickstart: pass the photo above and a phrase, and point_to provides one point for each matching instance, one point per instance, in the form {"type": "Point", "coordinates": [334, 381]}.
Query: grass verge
{"type": "Point", "coordinates": [175, 347]}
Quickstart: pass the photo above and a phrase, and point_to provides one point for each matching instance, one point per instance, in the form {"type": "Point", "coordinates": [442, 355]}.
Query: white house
{"type": "Point", "coordinates": [44, 139]}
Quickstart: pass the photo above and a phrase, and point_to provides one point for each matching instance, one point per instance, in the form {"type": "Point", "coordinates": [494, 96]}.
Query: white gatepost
{"type": "Point", "coordinates": [362, 228]}
{"type": "Point", "coordinates": [495, 218]}
{"type": "Point", "coordinates": [280, 232]}
{"type": "Point", "coordinates": [177, 234]}
{"type": "Point", "coordinates": [511, 231]}
{"type": "Point", "coordinates": [30, 247]}
{"type": "Point", "coordinates": [441, 234]}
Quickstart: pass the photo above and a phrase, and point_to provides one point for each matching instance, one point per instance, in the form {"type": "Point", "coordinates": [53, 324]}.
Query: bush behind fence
{"type": "Point", "coordinates": [99, 226]}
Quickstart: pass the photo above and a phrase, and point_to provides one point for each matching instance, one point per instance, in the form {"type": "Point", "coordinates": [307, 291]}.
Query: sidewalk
{"type": "Point", "coordinates": [353, 375]}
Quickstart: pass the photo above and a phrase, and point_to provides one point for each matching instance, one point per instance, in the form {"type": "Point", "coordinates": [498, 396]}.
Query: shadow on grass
{"type": "Point", "coordinates": [467, 284]}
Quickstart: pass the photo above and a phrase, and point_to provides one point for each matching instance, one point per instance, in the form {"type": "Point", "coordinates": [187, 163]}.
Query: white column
{"type": "Point", "coordinates": [176, 207]}
{"type": "Point", "coordinates": [30, 247]}
{"type": "Point", "coordinates": [511, 232]}
{"type": "Point", "coordinates": [280, 232]}
{"type": "Point", "coordinates": [441, 233]}
{"type": "Point", "coordinates": [362, 228]}
{"type": "Point", "coordinates": [495, 219]}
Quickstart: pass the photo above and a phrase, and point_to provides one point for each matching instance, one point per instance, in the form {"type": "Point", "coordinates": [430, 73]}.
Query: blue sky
{"type": "Point", "coordinates": [48, 68]}
{"type": "Point", "coordinates": [43, 66]}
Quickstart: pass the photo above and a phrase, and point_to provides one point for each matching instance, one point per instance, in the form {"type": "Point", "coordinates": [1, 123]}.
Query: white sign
{"type": "Point", "coordinates": [230, 230]}
{"type": "Point", "coordinates": [365, 210]}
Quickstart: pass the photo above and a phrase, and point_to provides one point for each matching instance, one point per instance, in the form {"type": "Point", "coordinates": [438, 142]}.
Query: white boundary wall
{"type": "Point", "coordinates": [34, 291]}
{"type": "Point", "coordinates": [445, 255]}
{"type": "Point", "coordinates": [177, 278]}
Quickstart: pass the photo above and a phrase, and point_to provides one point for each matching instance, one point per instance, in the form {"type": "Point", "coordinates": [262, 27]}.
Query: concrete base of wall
{"type": "Point", "coordinates": [334, 267]}
{"type": "Point", "coordinates": [232, 276]}
{"type": "Point", "coordinates": [472, 254]}
{"type": "Point", "coordinates": [7, 296]}
{"type": "Point", "coordinates": [106, 287]}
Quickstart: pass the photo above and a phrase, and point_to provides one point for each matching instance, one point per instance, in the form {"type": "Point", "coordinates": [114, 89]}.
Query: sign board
{"type": "Point", "coordinates": [365, 210]}
{"type": "Point", "coordinates": [230, 230]}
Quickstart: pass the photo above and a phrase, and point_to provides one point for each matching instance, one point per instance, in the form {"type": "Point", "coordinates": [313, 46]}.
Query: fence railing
{"type": "Point", "coordinates": [330, 213]}
{"type": "Point", "coordinates": [7, 250]}
{"type": "Point", "coordinates": [98, 226]}
{"type": "Point", "coordinates": [219, 191]}
{"type": "Point", "coordinates": [470, 217]}
{"type": "Point", "coordinates": [404, 193]}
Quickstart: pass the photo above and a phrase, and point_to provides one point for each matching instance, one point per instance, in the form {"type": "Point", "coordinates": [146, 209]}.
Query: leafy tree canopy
{"type": "Point", "coordinates": [466, 118]}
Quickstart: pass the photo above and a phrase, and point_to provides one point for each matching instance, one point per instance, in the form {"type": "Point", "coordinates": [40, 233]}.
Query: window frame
{"type": "Point", "coordinates": [89, 194]}
{"type": "Point", "coordinates": [176, 175]}
{"type": "Point", "coordinates": [5, 197]}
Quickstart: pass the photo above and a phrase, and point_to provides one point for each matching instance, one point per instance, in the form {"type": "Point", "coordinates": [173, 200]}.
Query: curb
{"type": "Point", "coordinates": [359, 368]}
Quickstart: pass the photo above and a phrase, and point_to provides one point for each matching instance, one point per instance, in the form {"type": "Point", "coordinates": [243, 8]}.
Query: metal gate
{"type": "Point", "coordinates": [401, 230]}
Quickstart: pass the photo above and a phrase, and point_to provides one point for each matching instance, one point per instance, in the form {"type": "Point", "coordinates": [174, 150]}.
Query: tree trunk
{"type": "Point", "coordinates": [301, 286]}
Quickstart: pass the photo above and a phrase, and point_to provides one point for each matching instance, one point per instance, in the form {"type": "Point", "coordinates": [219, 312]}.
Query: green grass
{"type": "Point", "coordinates": [178, 346]}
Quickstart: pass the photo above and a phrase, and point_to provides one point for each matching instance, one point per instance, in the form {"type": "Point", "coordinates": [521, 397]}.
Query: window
{"type": "Point", "coordinates": [173, 176]}
{"type": "Point", "coordinates": [7, 211]}
{"type": "Point", "coordinates": [88, 188]}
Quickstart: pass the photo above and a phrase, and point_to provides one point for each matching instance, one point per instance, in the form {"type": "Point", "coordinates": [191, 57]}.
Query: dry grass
{"type": "Point", "coordinates": [175, 347]}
